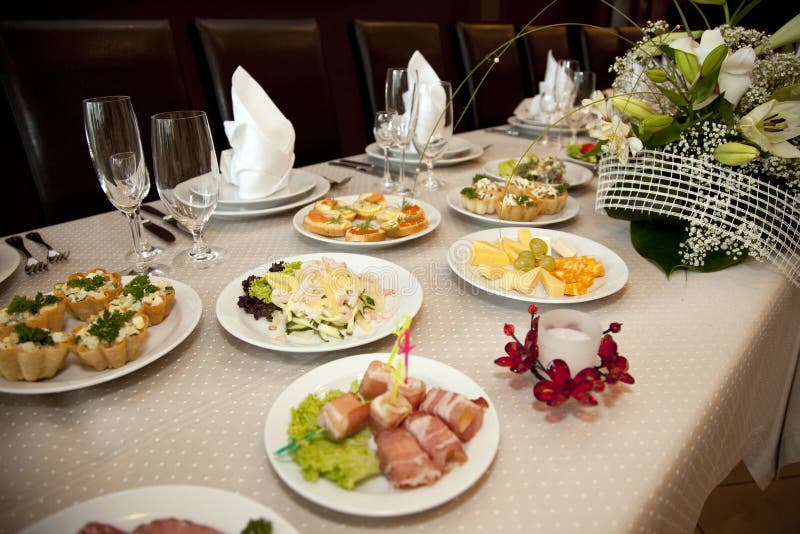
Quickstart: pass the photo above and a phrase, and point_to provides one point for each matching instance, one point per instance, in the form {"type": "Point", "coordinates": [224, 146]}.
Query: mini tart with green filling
{"type": "Point", "coordinates": [32, 354]}
{"type": "Point", "coordinates": [551, 198]}
{"type": "Point", "coordinates": [480, 197]}
{"type": "Point", "coordinates": [86, 294]}
{"type": "Point", "coordinates": [142, 295]}
{"type": "Point", "coordinates": [517, 208]}
{"type": "Point", "coordinates": [111, 339]}
{"type": "Point", "coordinates": [42, 311]}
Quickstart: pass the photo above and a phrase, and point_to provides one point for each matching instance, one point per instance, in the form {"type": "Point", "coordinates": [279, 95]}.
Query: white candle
{"type": "Point", "coordinates": [571, 336]}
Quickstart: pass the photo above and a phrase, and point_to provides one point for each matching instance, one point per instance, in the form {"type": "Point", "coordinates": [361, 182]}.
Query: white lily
{"type": "Point", "coordinates": [616, 132]}
{"type": "Point", "coordinates": [600, 106]}
{"type": "Point", "coordinates": [771, 125]}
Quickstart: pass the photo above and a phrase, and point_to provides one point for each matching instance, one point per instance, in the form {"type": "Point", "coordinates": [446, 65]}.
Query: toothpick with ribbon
{"type": "Point", "coordinates": [403, 345]}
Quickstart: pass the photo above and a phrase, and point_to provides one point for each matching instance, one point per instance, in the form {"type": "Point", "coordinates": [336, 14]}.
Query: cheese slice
{"type": "Point", "coordinates": [554, 286]}
{"type": "Point", "coordinates": [492, 273]}
{"type": "Point", "coordinates": [485, 253]}
{"type": "Point", "coordinates": [525, 282]}
{"type": "Point", "coordinates": [563, 249]}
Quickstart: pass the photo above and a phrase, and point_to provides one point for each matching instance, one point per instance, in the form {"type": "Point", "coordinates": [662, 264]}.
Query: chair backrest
{"type": "Point", "coordinates": [601, 46]}
{"type": "Point", "coordinates": [50, 67]}
{"type": "Point", "coordinates": [541, 39]}
{"type": "Point", "coordinates": [285, 58]}
{"type": "Point", "coordinates": [379, 45]}
{"type": "Point", "coordinates": [496, 87]}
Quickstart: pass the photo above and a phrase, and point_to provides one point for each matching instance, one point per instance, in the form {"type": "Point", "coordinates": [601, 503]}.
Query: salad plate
{"type": "Point", "coordinates": [9, 261]}
{"type": "Point", "coordinates": [576, 174]}
{"type": "Point", "coordinates": [376, 497]}
{"type": "Point", "coordinates": [456, 146]}
{"type": "Point", "coordinates": [300, 183]}
{"type": "Point", "coordinates": [431, 213]}
{"type": "Point", "coordinates": [321, 188]}
{"type": "Point", "coordinates": [522, 115]}
{"type": "Point", "coordinates": [161, 339]}
{"type": "Point", "coordinates": [616, 272]}
{"type": "Point", "coordinates": [535, 128]}
{"type": "Point", "coordinates": [474, 152]}
{"type": "Point", "coordinates": [127, 509]}
{"type": "Point", "coordinates": [571, 209]}
{"type": "Point", "coordinates": [405, 300]}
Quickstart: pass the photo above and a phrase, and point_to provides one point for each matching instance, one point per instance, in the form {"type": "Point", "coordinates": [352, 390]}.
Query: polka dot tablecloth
{"type": "Point", "coordinates": [713, 356]}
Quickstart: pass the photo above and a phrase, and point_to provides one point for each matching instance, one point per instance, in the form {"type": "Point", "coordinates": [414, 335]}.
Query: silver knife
{"type": "Point", "coordinates": [158, 231]}
{"type": "Point", "coordinates": [169, 219]}
{"type": "Point", "coordinates": [358, 167]}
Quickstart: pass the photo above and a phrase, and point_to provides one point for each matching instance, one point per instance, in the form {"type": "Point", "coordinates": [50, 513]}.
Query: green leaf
{"type": "Point", "coordinates": [791, 92]}
{"type": "Point", "coordinates": [674, 97]}
{"type": "Point", "coordinates": [666, 135]}
{"type": "Point", "coordinates": [738, 15]}
{"type": "Point", "coordinates": [710, 2]}
{"type": "Point", "coordinates": [667, 51]}
{"type": "Point", "coordinates": [725, 110]}
{"type": "Point", "coordinates": [704, 87]}
{"type": "Point", "coordinates": [787, 34]}
{"type": "Point", "coordinates": [660, 243]}
{"type": "Point", "coordinates": [714, 60]}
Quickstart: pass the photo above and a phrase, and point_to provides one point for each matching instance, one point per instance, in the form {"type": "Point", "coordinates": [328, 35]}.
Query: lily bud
{"type": "Point", "coordinates": [687, 63]}
{"type": "Point", "coordinates": [657, 75]}
{"type": "Point", "coordinates": [657, 122]}
{"type": "Point", "coordinates": [735, 154]}
{"type": "Point", "coordinates": [632, 107]}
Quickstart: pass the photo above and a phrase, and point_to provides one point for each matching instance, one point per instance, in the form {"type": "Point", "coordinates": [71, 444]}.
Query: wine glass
{"type": "Point", "coordinates": [548, 109]}
{"type": "Point", "coordinates": [382, 129]}
{"type": "Point", "coordinates": [112, 134]}
{"type": "Point", "coordinates": [584, 83]}
{"type": "Point", "coordinates": [401, 104]}
{"type": "Point", "coordinates": [434, 127]}
{"type": "Point", "coordinates": [187, 177]}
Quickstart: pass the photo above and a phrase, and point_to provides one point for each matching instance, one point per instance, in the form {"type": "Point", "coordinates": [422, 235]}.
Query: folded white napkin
{"type": "Point", "coordinates": [432, 101]}
{"type": "Point", "coordinates": [261, 138]}
{"type": "Point", "coordinates": [545, 86]}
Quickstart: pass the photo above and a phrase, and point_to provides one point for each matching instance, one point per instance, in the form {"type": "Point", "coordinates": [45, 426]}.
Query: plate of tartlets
{"type": "Point", "coordinates": [550, 169]}
{"type": "Point", "coordinates": [160, 338]}
{"type": "Point", "coordinates": [571, 209]}
{"type": "Point", "coordinates": [368, 220]}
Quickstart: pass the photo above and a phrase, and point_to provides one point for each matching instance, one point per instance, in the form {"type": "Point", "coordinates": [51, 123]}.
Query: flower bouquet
{"type": "Point", "coordinates": [700, 145]}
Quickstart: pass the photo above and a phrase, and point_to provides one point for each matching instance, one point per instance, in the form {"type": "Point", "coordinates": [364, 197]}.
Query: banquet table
{"type": "Point", "coordinates": [713, 355]}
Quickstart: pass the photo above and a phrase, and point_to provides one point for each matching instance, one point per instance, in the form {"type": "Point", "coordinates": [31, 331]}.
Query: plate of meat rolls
{"type": "Point", "coordinates": [351, 437]}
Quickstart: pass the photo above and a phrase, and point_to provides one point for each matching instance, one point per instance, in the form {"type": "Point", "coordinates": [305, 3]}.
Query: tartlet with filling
{"type": "Point", "coordinates": [111, 339]}
{"type": "Point", "coordinates": [32, 354]}
{"type": "Point", "coordinates": [42, 311]}
{"type": "Point", "coordinates": [142, 295]}
{"type": "Point", "coordinates": [517, 208]}
{"type": "Point", "coordinates": [86, 294]}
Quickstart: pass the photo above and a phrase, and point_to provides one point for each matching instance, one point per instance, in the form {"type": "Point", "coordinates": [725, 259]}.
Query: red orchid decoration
{"type": "Point", "coordinates": [561, 386]}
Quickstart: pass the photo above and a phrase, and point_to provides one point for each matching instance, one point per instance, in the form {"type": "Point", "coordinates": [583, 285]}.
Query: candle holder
{"type": "Point", "coordinates": [569, 335]}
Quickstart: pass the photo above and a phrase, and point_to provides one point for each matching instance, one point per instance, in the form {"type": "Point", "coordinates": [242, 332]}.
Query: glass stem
{"type": "Point", "coordinates": [401, 176]}
{"type": "Point", "coordinates": [429, 181]}
{"type": "Point", "coordinates": [387, 177]}
{"type": "Point", "coordinates": [140, 265]}
{"type": "Point", "coordinates": [143, 245]}
{"type": "Point", "coordinates": [199, 248]}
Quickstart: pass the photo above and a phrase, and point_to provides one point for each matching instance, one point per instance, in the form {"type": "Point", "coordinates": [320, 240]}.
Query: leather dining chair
{"type": "Point", "coordinates": [601, 46]}
{"type": "Point", "coordinates": [285, 58]}
{"type": "Point", "coordinates": [50, 67]}
{"type": "Point", "coordinates": [379, 45]}
{"type": "Point", "coordinates": [502, 85]}
{"type": "Point", "coordinates": [538, 41]}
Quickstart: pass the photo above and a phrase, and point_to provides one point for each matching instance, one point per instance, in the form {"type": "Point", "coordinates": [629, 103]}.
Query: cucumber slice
{"type": "Point", "coordinates": [330, 331]}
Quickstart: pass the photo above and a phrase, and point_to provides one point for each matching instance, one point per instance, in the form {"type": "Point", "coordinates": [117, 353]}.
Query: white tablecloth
{"type": "Point", "coordinates": [713, 356]}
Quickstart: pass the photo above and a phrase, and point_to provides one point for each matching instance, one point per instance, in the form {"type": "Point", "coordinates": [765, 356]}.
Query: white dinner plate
{"type": "Point", "coordinates": [474, 152]}
{"type": "Point", "coordinates": [456, 147]}
{"type": "Point", "coordinates": [9, 261]}
{"type": "Point", "coordinates": [591, 166]}
{"type": "Point", "coordinates": [161, 339]}
{"type": "Point", "coordinates": [127, 509]}
{"type": "Point", "coordinates": [531, 130]}
{"type": "Point", "coordinates": [571, 209]}
{"type": "Point", "coordinates": [406, 300]}
{"type": "Point", "coordinates": [615, 278]}
{"type": "Point", "coordinates": [321, 188]}
{"type": "Point", "coordinates": [376, 497]}
{"type": "Point", "coordinates": [431, 213]}
{"type": "Point", "coordinates": [576, 174]}
{"type": "Point", "coordinates": [521, 114]}
{"type": "Point", "coordinates": [300, 183]}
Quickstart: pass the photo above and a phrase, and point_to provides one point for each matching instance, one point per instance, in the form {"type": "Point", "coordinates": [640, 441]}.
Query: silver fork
{"type": "Point", "coordinates": [53, 255]}
{"type": "Point", "coordinates": [32, 265]}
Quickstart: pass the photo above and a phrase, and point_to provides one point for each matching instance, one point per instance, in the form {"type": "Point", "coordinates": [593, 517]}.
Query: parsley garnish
{"type": "Point", "coordinates": [37, 335]}
{"type": "Point", "coordinates": [139, 287]}
{"type": "Point", "coordinates": [478, 177]}
{"type": "Point", "coordinates": [560, 188]}
{"type": "Point", "coordinates": [88, 284]}
{"type": "Point", "coordinates": [106, 327]}
{"type": "Point", "coordinates": [258, 526]}
{"type": "Point", "coordinates": [524, 200]}
{"type": "Point", "coordinates": [469, 192]}
{"type": "Point", "coordinates": [20, 304]}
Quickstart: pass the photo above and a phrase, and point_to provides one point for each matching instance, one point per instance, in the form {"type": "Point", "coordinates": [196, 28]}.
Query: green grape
{"type": "Point", "coordinates": [538, 247]}
{"type": "Point", "coordinates": [523, 264]}
{"type": "Point", "coordinates": [546, 262]}
{"type": "Point", "coordinates": [528, 255]}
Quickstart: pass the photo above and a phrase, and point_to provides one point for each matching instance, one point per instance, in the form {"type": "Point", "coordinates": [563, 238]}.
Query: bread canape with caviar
{"type": "Point", "coordinates": [333, 208]}
{"type": "Point", "coordinates": [367, 231]}
{"type": "Point", "coordinates": [41, 311]}
{"type": "Point", "coordinates": [481, 195]}
{"type": "Point", "coordinates": [369, 204]}
{"type": "Point", "coordinates": [110, 339]}
{"type": "Point", "coordinates": [142, 295]}
{"type": "Point", "coordinates": [86, 294]}
{"type": "Point", "coordinates": [31, 354]}
{"type": "Point", "coordinates": [408, 221]}
{"type": "Point", "coordinates": [325, 225]}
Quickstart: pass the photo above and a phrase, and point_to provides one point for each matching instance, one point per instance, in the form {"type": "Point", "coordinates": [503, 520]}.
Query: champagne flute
{"type": "Point", "coordinates": [112, 134]}
{"type": "Point", "coordinates": [548, 107]}
{"type": "Point", "coordinates": [434, 127]}
{"type": "Point", "coordinates": [382, 129]}
{"type": "Point", "coordinates": [584, 82]}
{"type": "Point", "coordinates": [401, 103]}
{"type": "Point", "coordinates": [187, 177]}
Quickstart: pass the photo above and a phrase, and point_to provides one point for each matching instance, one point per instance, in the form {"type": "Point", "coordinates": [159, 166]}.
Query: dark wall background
{"type": "Point", "coordinates": [333, 18]}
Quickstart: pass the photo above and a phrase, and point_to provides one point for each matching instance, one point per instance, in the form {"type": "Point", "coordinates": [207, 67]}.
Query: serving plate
{"type": "Point", "coordinates": [576, 174]}
{"type": "Point", "coordinates": [570, 210]}
{"type": "Point", "coordinates": [474, 152]}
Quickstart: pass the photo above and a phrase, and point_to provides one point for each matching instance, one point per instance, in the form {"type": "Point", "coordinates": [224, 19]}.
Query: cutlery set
{"type": "Point", "coordinates": [32, 264]}
{"type": "Point", "coordinates": [360, 166]}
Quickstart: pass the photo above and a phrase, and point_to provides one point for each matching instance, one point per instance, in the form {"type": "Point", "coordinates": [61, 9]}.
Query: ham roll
{"type": "Point", "coordinates": [403, 461]}
{"type": "Point", "coordinates": [378, 380]}
{"type": "Point", "coordinates": [435, 438]}
{"type": "Point", "coordinates": [343, 416]}
{"type": "Point", "coordinates": [383, 413]}
{"type": "Point", "coordinates": [463, 416]}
